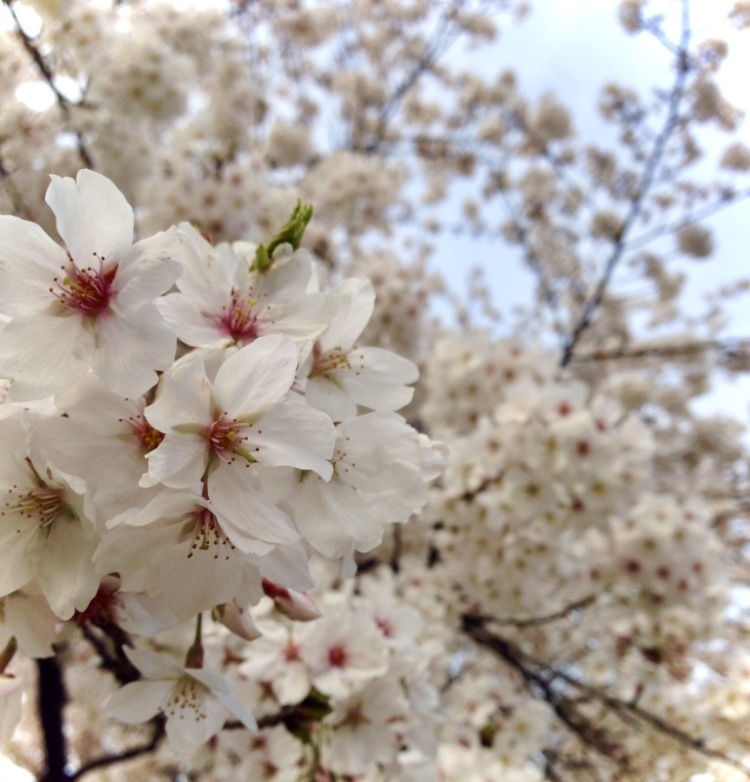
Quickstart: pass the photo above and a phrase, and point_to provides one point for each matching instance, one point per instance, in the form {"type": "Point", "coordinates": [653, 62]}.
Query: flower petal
{"type": "Point", "coordinates": [138, 701]}
{"type": "Point", "coordinates": [29, 260]}
{"type": "Point", "coordinates": [257, 375]}
{"type": "Point", "coordinates": [93, 217]}
{"type": "Point", "coordinates": [44, 353]}
{"type": "Point", "coordinates": [130, 348]}
{"type": "Point", "coordinates": [290, 434]}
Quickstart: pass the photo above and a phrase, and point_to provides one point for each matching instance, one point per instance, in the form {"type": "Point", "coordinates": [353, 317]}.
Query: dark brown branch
{"type": "Point", "coordinates": [731, 346]}
{"type": "Point", "coordinates": [541, 683]}
{"type": "Point", "coordinates": [49, 77]}
{"type": "Point", "coordinates": [109, 760]}
{"type": "Point", "coordinates": [109, 645]}
{"type": "Point", "coordinates": [542, 680]}
{"type": "Point", "coordinates": [535, 621]}
{"type": "Point", "coordinates": [649, 174]}
{"type": "Point", "coordinates": [51, 699]}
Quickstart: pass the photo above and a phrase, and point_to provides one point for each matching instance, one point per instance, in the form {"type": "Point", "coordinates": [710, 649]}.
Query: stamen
{"type": "Point", "coordinates": [148, 437]}
{"type": "Point", "coordinates": [208, 534]}
{"type": "Point", "coordinates": [240, 319]}
{"type": "Point", "coordinates": [85, 290]}
{"type": "Point", "coordinates": [41, 505]}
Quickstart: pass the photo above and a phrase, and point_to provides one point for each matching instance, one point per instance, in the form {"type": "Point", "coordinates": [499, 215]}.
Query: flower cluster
{"type": "Point", "coordinates": [141, 490]}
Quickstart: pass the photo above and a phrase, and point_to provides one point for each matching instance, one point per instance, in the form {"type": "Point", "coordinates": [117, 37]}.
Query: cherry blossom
{"type": "Point", "coordinates": [194, 701]}
{"type": "Point", "coordinates": [89, 306]}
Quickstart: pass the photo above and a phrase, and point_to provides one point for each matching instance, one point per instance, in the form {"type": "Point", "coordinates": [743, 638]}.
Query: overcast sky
{"type": "Point", "coordinates": [572, 47]}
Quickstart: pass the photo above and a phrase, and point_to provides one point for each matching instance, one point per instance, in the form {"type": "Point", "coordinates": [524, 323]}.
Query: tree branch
{"type": "Point", "coordinates": [542, 677]}
{"type": "Point", "coordinates": [109, 760]}
{"type": "Point", "coordinates": [51, 699]}
{"type": "Point", "coordinates": [49, 77]}
{"type": "Point", "coordinates": [649, 173]}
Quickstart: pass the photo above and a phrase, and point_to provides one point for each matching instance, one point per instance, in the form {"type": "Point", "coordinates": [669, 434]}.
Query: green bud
{"type": "Point", "coordinates": [291, 233]}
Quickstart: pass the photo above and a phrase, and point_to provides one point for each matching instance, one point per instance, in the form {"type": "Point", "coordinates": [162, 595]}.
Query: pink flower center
{"type": "Point", "coordinates": [85, 290]}
{"type": "Point", "coordinates": [337, 656]}
{"type": "Point", "coordinates": [223, 438]}
{"type": "Point", "coordinates": [239, 321]}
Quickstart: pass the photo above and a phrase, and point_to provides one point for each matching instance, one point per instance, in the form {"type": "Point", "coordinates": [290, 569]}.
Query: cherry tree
{"type": "Point", "coordinates": [279, 501]}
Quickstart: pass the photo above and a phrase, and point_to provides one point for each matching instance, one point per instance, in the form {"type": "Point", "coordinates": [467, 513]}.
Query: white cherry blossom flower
{"type": "Point", "coordinates": [89, 306]}
{"type": "Point", "coordinates": [193, 700]}
{"type": "Point", "coordinates": [177, 547]}
{"type": "Point", "coordinates": [220, 302]}
{"type": "Point", "coordinates": [343, 650]}
{"type": "Point", "coordinates": [44, 533]}
{"type": "Point", "coordinates": [240, 417]}
{"type": "Point", "coordinates": [341, 375]}
{"type": "Point", "coordinates": [381, 469]}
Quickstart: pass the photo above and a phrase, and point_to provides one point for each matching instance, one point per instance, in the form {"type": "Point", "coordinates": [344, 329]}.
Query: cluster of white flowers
{"type": "Point", "coordinates": [150, 498]}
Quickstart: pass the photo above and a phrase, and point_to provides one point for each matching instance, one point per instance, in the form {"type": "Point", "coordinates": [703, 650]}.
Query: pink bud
{"type": "Point", "coordinates": [237, 621]}
{"type": "Point", "coordinates": [295, 605]}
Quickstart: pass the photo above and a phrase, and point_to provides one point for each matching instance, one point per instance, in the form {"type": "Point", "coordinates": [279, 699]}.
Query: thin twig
{"type": "Point", "coordinates": [535, 621]}
{"type": "Point", "coordinates": [109, 760]}
{"type": "Point", "coordinates": [542, 676]}
{"type": "Point", "coordinates": [49, 77]}
{"type": "Point", "coordinates": [649, 173]}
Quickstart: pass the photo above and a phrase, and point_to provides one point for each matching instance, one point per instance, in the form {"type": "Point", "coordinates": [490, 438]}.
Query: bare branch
{"type": "Point", "coordinates": [49, 77]}
{"type": "Point", "coordinates": [541, 677]}
{"type": "Point", "coordinates": [730, 347]}
{"type": "Point", "coordinates": [649, 173]}
{"type": "Point", "coordinates": [157, 736]}
{"type": "Point", "coordinates": [535, 621]}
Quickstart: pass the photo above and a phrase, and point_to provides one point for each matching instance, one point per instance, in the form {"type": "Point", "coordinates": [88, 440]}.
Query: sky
{"type": "Point", "coordinates": [571, 48]}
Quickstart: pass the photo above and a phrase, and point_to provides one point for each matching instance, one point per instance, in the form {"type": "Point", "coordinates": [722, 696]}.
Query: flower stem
{"type": "Point", "coordinates": [194, 657]}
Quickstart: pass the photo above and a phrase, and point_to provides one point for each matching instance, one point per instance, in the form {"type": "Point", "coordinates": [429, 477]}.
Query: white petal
{"type": "Point", "coordinates": [287, 565]}
{"type": "Point", "coordinates": [195, 580]}
{"type": "Point", "coordinates": [184, 397]}
{"type": "Point", "coordinates": [138, 701]}
{"type": "Point", "coordinates": [29, 260]}
{"type": "Point", "coordinates": [191, 326]}
{"type": "Point", "coordinates": [323, 394]}
{"type": "Point", "coordinates": [290, 434]}
{"type": "Point", "coordinates": [46, 352]}
{"type": "Point", "coordinates": [179, 461]}
{"type": "Point", "coordinates": [66, 570]}
{"type": "Point", "coordinates": [331, 516]}
{"type": "Point", "coordinates": [155, 665]}
{"type": "Point", "coordinates": [92, 217]}
{"type": "Point", "coordinates": [220, 690]}
{"type": "Point", "coordinates": [21, 549]}
{"type": "Point", "coordinates": [195, 721]}
{"type": "Point", "coordinates": [351, 306]}
{"type": "Point", "coordinates": [129, 349]}
{"type": "Point", "coordinates": [258, 375]}
{"type": "Point", "coordinates": [244, 513]}
{"type": "Point", "coordinates": [377, 378]}
{"type": "Point", "coordinates": [206, 280]}
{"type": "Point", "coordinates": [147, 271]}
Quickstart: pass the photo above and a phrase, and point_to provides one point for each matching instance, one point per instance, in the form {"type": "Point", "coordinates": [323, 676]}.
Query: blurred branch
{"type": "Point", "coordinates": [543, 681]}
{"type": "Point", "coordinates": [725, 199]}
{"type": "Point", "coordinates": [157, 736]}
{"type": "Point", "coordinates": [732, 348]}
{"type": "Point", "coordinates": [49, 77]}
{"type": "Point", "coordinates": [649, 173]}
{"type": "Point", "coordinates": [535, 621]}
{"type": "Point", "coordinates": [51, 700]}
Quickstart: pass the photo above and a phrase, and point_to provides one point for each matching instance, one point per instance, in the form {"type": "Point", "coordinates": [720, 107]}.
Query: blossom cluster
{"type": "Point", "coordinates": [141, 489]}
